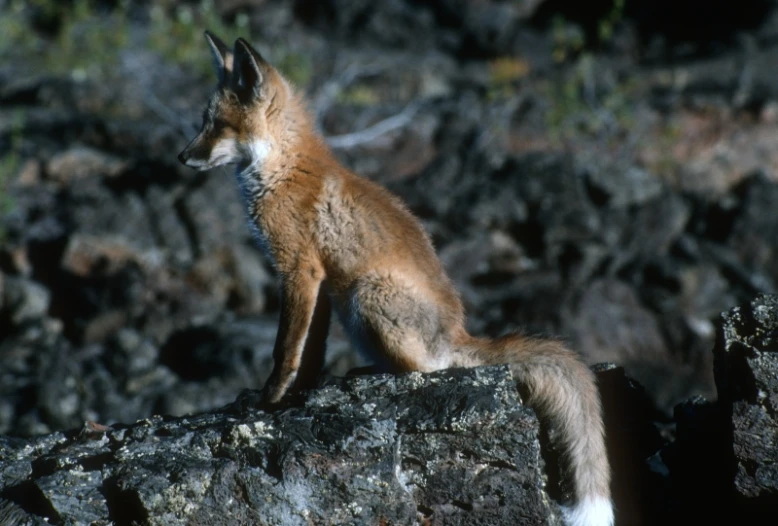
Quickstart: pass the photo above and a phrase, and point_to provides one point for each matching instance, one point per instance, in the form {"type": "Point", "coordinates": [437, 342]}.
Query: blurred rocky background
{"type": "Point", "coordinates": [604, 171]}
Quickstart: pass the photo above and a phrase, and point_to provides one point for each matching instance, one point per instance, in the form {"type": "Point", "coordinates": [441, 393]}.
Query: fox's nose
{"type": "Point", "coordinates": [182, 157]}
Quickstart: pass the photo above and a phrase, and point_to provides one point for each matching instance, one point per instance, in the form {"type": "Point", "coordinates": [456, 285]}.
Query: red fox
{"type": "Point", "coordinates": [342, 242]}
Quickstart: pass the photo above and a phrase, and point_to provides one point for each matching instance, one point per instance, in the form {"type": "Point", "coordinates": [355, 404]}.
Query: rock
{"type": "Point", "coordinates": [87, 255]}
{"type": "Point", "coordinates": [754, 230]}
{"type": "Point", "coordinates": [10, 513]}
{"type": "Point", "coordinates": [610, 324]}
{"type": "Point", "coordinates": [130, 353]}
{"type": "Point", "coordinates": [83, 162]}
{"type": "Point", "coordinates": [455, 447]}
{"type": "Point", "coordinates": [650, 232]}
{"type": "Point", "coordinates": [746, 361]}
{"type": "Point", "coordinates": [48, 382]}
{"type": "Point", "coordinates": [23, 300]}
{"type": "Point", "coordinates": [639, 487]}
{"type": "Point", "coordinates": [721, 463]}
{"type": "Point", "coordinates": [621, 186]}
{"type": "Point", "coordinates": [29, 174]}
{"type": "Point", "coordinates": [698, 462]}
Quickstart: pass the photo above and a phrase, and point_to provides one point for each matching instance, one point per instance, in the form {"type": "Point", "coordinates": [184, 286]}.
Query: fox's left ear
{"type": "Point", "coordinates": [249, 72]}
{"type": "Point", "coordinates": [222, 57]}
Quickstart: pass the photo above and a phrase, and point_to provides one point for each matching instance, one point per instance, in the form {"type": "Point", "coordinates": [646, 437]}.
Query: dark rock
{"type": "Point", "coordinates": [621, 186]}
{"type": "Point", "coordinates": [82, 162]}
{"type": "Point", "coordinates": [455, 447]}
{"type": "Point", "coordinates": [700, 463]}
{"type": "Point", "coordinates": [754, 231]}
{"type": "Point", "coordinates": [640, 487]}
{"type": "Point", "coordinates": [23, 300]}
{"type": "Point", "coordinates": [610, 323]}
{"type": "Point", "coordinates": [746, 355]}
{"type": "Point", "coordinates": [611, 319]}
{"type": "Point", "coordinates": [10, 513]}
{"type": "Point", "coordinates": [651, 231]}
{"type": "Point", "coordinates": [49, 383]}
{"type": "Point", "coordinates": [720, 463]}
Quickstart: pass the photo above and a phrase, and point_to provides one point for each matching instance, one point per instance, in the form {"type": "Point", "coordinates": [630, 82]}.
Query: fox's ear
{"type": "Point", "coordinates": [249, 73]}
{"type": "Point", "coordinates": [222, 57]}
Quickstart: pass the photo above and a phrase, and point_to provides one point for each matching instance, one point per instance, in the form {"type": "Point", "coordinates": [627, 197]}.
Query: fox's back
{"type": "Point", "coordinates": [361, 228]}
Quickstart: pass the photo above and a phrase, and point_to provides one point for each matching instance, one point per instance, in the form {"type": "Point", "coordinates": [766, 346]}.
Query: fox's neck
{"type": "Point", "coordinates": [293, 141]}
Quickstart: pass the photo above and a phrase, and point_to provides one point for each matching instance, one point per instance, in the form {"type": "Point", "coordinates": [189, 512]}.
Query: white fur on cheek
{"type": "Point", "coordinates": [197, 164]}
{"type": "Point", "coordinates": [225, 151]}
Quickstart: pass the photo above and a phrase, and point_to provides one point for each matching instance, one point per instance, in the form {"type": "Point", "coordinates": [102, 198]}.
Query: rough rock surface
{"type": "Point", "coordinates": [721, 465]}
{"type": "Point", "coordinates": [455, 447]}
{"type": "Point", "coordinates": [747, 378]}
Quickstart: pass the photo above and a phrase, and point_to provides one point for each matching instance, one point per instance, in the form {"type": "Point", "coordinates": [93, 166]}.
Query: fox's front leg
{"type": "Point", "coordinates": [312, 361]}
{"type": "Point", "coordinates": [300, 317]}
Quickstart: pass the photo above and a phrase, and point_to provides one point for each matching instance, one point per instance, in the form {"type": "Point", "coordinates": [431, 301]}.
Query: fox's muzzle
{"type": "Point", "coordinates": [186, 154]}
{"type": "Point", "coordinates": [196, 154]}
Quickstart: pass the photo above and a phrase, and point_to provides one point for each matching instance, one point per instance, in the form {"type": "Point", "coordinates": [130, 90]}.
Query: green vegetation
{"type": "Point", "coordinates": [295, 66]}
{"type": "Point", "coordinates": [84, 39]}
{"type": "Point", "coordinates": [581, 105]}
{"type": "Point", "coordinates": [570, 40]}
{"type": "Point", "coordinates": [670, 133]}
{"type": "Point", "coordinates": [10, 163]}
{"type": "Point", "coordinates": [359, 95]}
{"type": "Point", "coordinates": [13, 27]}
{"type": "Point", "coordinates": [504, 72]}
{"type": "Point", "coordinates": [608, 23]}
{"type": "Point", "coordinates": [178, 35]}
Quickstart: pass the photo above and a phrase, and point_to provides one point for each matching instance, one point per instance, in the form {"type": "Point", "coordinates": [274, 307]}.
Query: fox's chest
{"type": "Point", "coordinates": [252, 191]}
{"type": "Point", "coordinates": [260, 238]}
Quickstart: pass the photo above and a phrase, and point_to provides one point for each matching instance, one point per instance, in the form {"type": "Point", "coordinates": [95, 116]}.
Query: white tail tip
{"type": "Point", "coordinates": [591, 511]}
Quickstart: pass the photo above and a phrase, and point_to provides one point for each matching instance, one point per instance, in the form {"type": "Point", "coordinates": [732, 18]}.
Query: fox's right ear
{"type": "Point", "coordinates": [222, 57]}
{"type": "Point", "coordinates": [251, 70]}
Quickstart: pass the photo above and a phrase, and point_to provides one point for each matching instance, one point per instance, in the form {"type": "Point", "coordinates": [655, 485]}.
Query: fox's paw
{"type": "Point", "coordinates": [590, 511]}
{"type": "Point", "coordinates": [249, 400]}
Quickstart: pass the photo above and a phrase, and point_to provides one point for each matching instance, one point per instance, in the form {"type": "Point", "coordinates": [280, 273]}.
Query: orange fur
{"type": "Point", "coordinates": [342, 242]}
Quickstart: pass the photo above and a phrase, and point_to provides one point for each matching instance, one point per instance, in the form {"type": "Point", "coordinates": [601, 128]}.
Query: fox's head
{"type": "Point", "coordinates": [239, 120]}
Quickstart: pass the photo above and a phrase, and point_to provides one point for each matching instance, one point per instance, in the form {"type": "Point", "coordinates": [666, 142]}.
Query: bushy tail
{"type": "Point", "coordinates": [563, 392]}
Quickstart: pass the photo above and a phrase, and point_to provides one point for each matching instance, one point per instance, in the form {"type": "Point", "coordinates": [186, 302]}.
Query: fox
{"type": "Point", "coordinates": [344, 244]}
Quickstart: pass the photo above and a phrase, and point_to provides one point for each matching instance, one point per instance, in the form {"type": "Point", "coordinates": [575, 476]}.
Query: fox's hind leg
{"type": "Point", "coordinates": [402, 328]}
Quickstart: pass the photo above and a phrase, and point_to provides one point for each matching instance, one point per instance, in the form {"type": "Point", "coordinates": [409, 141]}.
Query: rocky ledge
{"type": "Point", "coordinates": [457, 447]}
{"type": "Point", "coordinates": [454, 447]}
